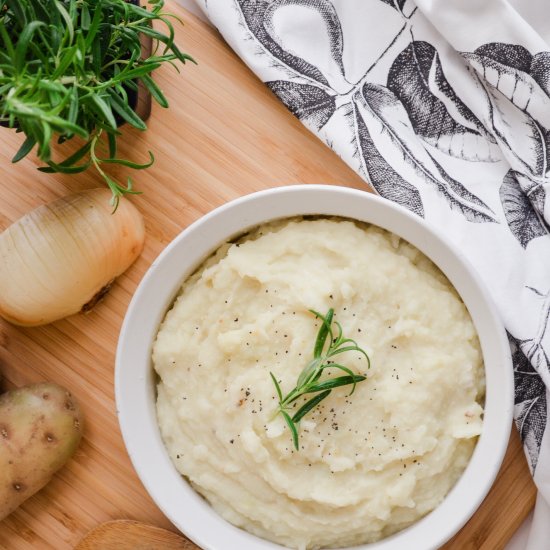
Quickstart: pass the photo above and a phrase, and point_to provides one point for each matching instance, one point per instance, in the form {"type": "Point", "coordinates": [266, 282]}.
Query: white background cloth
{"type": "Point", "coordinates": [531, 29]}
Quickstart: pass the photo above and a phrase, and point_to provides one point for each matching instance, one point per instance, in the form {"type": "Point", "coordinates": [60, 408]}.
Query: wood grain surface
{"type": "Point", "coordinates": [125, 534]}
{"type": "Point", "coordinates": [224, 135]}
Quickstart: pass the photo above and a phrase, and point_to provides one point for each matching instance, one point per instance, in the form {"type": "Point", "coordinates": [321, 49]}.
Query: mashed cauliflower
{"type": "Point", "coordinates": [369, 464]}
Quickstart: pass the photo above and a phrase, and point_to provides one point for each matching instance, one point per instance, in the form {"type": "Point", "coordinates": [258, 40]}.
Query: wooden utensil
{"type": "Point", "coordinates": [124, 534]}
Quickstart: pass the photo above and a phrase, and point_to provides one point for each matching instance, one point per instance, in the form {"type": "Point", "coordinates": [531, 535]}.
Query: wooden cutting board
{"type": "Point", "coordinates": [225, 135]}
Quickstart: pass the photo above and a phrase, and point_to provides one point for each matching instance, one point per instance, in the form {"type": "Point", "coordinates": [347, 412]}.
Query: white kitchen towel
{"type": "Point", "coordinates": [444, 107]}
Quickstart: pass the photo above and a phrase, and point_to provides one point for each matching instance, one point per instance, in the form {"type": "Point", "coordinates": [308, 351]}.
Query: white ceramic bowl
{"type": "Point", "coordinates": [135, 385]}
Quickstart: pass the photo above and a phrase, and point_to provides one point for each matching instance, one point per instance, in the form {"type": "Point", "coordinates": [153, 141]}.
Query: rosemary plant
{"type": "Point", "coordinates": [71, 67]}
{"type": "Point", "coordinates": [309, 381]}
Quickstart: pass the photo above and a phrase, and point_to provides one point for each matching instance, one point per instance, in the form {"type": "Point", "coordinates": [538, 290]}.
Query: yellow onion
{"type": "Point", "coordinates": [62, 257]}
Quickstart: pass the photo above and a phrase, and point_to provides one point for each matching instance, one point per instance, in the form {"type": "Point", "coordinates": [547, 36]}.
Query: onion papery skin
{"type": "Point", "coordinates": [58, 257]}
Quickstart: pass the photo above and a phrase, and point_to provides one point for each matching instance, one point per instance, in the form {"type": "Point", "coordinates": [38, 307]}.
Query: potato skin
{"type": "Point", "coordinates": [40, 429]}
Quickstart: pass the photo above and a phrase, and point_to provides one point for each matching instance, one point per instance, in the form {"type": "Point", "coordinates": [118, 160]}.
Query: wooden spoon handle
{"type": "Point", "coordinates": [133, 535]}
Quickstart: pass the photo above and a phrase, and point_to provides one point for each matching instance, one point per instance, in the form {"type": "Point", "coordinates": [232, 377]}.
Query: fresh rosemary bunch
{"type": "Point", "coordinates": [309, 381]}
{"type": "Point", "coordinates": [71, 68]}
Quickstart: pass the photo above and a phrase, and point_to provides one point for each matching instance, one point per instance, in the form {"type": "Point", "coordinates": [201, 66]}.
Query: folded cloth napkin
{"type": "Point", "coordinates": [443, 106]}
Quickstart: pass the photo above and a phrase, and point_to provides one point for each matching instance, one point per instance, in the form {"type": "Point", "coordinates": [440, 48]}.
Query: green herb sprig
{"type": "Point", "coordinates": [309, 381]}
{"type": "Point", "coordinates": [67, 68]}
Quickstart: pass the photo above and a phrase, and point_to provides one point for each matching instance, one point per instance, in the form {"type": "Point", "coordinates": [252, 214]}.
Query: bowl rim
{"type": "Point", "coordinates": [135, 384]}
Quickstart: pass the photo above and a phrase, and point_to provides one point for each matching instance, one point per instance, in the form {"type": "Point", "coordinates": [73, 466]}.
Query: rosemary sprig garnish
{"type": "Point", "coordinates": [309, 379]}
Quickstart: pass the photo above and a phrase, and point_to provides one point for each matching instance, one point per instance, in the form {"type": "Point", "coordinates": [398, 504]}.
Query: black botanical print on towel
{"type": "Point", "coordinates": [533, 347]}
{"type": "Point", "coordinates": [258, 16]}
{"type": "Point", "coordinates": [504, 64]}
{"type": "Point", "coordinates": [401, 6]}
{"type": "Point", "coordinates": [516, 84]}
{"type": "Point", "coordinates": [530, 403]}
{"type": "Point", "coordinates": [432, 111]}
{"type": "Point", "coordinates": [437, 114]}
{"type": "Point", "coordinates": [524, 221]}
{"type": "Point", "coordinates": [397, 4]}
{"type": "Point", "coordinates": [310, 104]}
{"type": "Point", "coordinates": [383, 111]}
{"type": "Point", "coordinates": [540, 70]}
{"type": "Point", "coordinates": [381, 175]}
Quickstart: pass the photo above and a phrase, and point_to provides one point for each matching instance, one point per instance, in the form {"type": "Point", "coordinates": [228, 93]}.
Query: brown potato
{"type": "Point", "coordinates": [40, 429]}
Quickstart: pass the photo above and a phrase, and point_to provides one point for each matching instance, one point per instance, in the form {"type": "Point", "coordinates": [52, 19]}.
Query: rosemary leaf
{"type": "Point", "coordinates": [277, 387]}
{"type": "Point", "coordinates": [23, 44]}
{"type": "Point", "coordinates": [324, 331]}
{"type": "Point", "coordinates": [130, 164]}
{"type": "Point", "coordinates": [292, 428]}
{"type": "Point", "coordinates": [337, 382]}
{"type": "Point", "coordinates": [25, 149]}
{"type": "Point", "coordinates": [342, 368]}
{"type": "Point", "coordinates": [104, 109]}
{"type": "Point", "coordinates": [154, 90]}
{"type": "Point", "coordinates": [76, 156]}
{"type": "Point", "coordinates": [73, 169]}
{"type": "Point", "coordinates": [112, 145]}
{"type": "Point", "coordinates": [309, 372]}
{"type": "Point", "coordinates": [309, 405]}
{"type": "Point", "coordinates": [125, 111]}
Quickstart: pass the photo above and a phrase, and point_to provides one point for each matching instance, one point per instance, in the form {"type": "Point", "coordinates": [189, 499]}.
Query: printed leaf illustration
{"type": "Point", "coordinates": [526, 142]}
{"type": "Point", "coordinates": [387, 182]}
{"type": "Point", "coordinates": [534, 190]}
{"type": "Point", "coordinates": [529, 414]}
{"type": "Point", "coordinates": [535, 352]}
{"type": "Point", "coordinates": [530, 403]}
{"type": "Point", "coordinates": [397, 4]}
{"type": "Point", "coordinates": [524, 222]}
{"type": "Point", "coordinates": [533, 348]}
{"type": "Point", "coordinates": [435, 111]}
{"type": "Point", "coordinates": [441, 88]}
{"type": "Point", "coordinates": [458, 188]}
{"type": "Point", "coordinates": [540, 70]}
{"type": "Point", "coordinates": [507, 67]}
{"type": "Point", "coordinates": [401, 6]}
{"type": "Point", "coordinates": [512, 55]}
{"type": "Point", "coordinates": [394, 137]}
{"type": "Point", "coordinates": [477, 145]}
{"type": "Point", "coordinates": [537, 197]}
{"type": "Point", "coordinates": [260, 19]}
{"type": "Point", "coordinates": [310, 104]}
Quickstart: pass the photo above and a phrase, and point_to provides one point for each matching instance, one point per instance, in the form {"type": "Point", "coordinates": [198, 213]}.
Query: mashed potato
{"type": "Point", "coordinates": [369, 464]}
